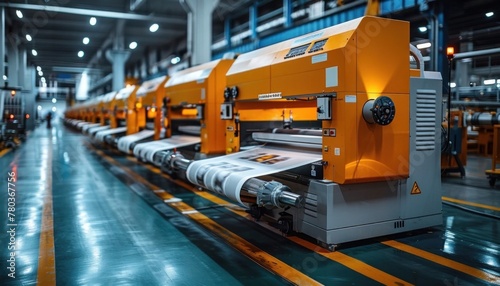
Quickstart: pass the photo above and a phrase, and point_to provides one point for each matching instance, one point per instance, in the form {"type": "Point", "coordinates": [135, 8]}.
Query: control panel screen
{"type": "Point", "coordinates": [297, 51]}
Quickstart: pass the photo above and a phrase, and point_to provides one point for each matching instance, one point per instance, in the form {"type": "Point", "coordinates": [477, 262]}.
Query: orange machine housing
{"type": "Point", "coordinates": [122, 107]}
{"type": "Point", "coordinates": [196, 89]}
{"type": "Point", "coordinates": [351, 63]}
{"type": "Point", "coordinates": [148, 104]}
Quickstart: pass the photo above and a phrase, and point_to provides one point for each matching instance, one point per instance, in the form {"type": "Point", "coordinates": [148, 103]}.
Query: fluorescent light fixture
{"type": "Point", "coordinates": [33, 52]}
{"type": "Point", "coordinates": [424, 45]}
{"type": "Point", "coordinates": [54, 100]}
{"type": "Point", "coordinates": [489, 81]}
{"type": "Point", "coordinates": [133, 45]}
{"type": "Point", "coordinates": [80, 54]}
{"type": "Point", "coordinates": [39, 107]}
{"type": "Point", "coordinates": [54, 109]}
{"type": "Point", "coordinates": [422, 29]}
{"type": "Point", "coordinates": [86, 40]}
{"type": "Point", "coordinates": [93, 21]}
{"type": "Point", "coordinates": [489, 14]}
{"type": "Point", "coordinates": [28, 37]}
{"type": "Point", "coordinates": [175, 60]}
{"type": "Point", "coordinates": [38, 68]}
{"type": "Point", "coordinates": [40, 73]}
{"type": "Point", "coordinates": [452, 84]}
{"type": "Point", "coordinates": [19, 14]}
{"type": "Point", "coordinates": [154, 28]}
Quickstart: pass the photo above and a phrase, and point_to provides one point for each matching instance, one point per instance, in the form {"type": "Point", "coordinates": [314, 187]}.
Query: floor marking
{"type": "Point", "coordinates": [472, 204]}
{"type": "Point", "coordinates": [261, 257]}
{"type": "Point", "coordinates": [46, 258]}
{"type": "Point", "coordinates": [443, 261]}
{"type": "Point", "coordinates": [172, 200]}
{"type": "Point", "coordinates": [350, 262]}
{"type": "Point", "coordinates": [4, 151]}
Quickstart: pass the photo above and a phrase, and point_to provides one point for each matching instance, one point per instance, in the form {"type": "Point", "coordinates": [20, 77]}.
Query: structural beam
{"type": "Point", "coordinates": [95, 13]}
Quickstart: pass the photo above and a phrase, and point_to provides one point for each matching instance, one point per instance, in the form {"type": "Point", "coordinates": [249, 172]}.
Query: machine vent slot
{"type": "Point", "coordinates": [311, 206]}
{"type": "Point", "coordinates": [399, 224]}
{"type": "Point", "coordinates": [425, 120]}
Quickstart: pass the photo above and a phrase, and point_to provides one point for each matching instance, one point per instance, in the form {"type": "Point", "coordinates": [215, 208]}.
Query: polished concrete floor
{"type": "Point", "coordinates": [84, 216]}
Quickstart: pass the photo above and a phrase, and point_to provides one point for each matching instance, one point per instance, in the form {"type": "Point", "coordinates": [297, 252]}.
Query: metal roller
{"type": "Point", "coordinates": [254, 191]}
{"type": "Point", "coordinates": [481, 119]}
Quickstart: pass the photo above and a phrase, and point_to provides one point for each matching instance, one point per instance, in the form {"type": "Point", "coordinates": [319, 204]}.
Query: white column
{"type": "Point", "coordinates": [200, 29]}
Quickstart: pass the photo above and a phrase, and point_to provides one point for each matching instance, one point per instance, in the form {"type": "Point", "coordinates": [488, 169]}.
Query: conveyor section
{"type": "Point", "coordinates": [146, 151]}
{"type": "Point", "coordinates": [92, 131]}
{"type": "Point", "coordinates": [101, 135]}
{"type": "Point", "coordinates": [126, 143]}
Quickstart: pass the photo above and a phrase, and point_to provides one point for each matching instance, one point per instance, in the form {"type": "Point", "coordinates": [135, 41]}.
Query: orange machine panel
{"type": "Point", "coordinates": [351, 63]}
{"type": "Point", "coordinates": [202, 85]}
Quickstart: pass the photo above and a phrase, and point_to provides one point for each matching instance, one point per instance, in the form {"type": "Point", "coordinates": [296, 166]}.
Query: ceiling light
{"type": "Point", "coordinates": [39, 107]}
{"type": "Point", "coordinates": [489, 14]}
{"type": "Point", "coordinates": [54, 109]}
{"type": "Point", "coordinates": [38, 68]}
{"type": "Point", "coordinates": [40, 73]}
{"type": "Point", "coordinates": [422, 29]}
{"type": "Point", "coordinates": [452, 84]}
{"type": "Point", "coordinates": [133, 45]}
{"type": "Point", "coordinates": [28, 37]}
{"type": "Point", "coordinates": [154, 28]}
{"type": "Point", "coordinates": [54, 100]}
{"type": "Point", "coordinates": [93, 21]}
{"type": "Point", "coordinates": [4, 77]}
{"type": "Point", "coordinates": [86, 40]}
{"type": "Point", "coordinates": [424, 45]}
{"type": "Point", "coordinates": [33, 52]}
{"type": "Point", "coordinates": [80, 54]}
{"type": "Point", "coordinates": [42, 79]}
{"type": "Point", "coordinates": [175, 60]}
{"type": "Point", "coordinates": [19, 14]}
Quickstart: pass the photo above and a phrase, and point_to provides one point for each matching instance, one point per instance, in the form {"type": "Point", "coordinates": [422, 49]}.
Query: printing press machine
{"type": "Point", "coordinates": [103, 113]}
{"type": "Point", "coordinates": [193, 124]}
{"type": "Point", "coordinates": [330, 134]}
{"type": "Point", "coordinates": [144, 115]}
{"type": "Point", "coordinates": [117, 108]}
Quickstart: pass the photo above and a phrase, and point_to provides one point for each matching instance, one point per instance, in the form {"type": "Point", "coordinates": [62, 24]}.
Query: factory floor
{"type": "Point", "coordinates": [83, 216]}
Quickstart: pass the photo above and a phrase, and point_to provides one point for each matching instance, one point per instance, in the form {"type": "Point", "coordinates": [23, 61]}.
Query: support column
{"type": "Point", "coordinates": [253, 21]}
{"type": "Point", "coordinates": [199, 29]}
{"type": "Point", "coordinates": [118, 57]}
{"type": "Point", "coordinates": [287, 13]}
{"type": "Point", "coordinates": [463, 67]}
{"type": "Point", "coordinates": [13, 60]}
{"type": "Point", "coordinates": [2, 45]}
{"type": "Point", "coordinates": [23, 64]}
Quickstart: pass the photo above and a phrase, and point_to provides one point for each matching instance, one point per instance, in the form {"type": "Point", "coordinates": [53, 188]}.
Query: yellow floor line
{"type": "Point", "coordinates": [4, 151]}
{"type": "Point", "coordinates": [350, 262]}
{"type": "Point", "coordinates": [261, 257]}
{"type": "Point", "coordinates": [443, 261]}
{"type": "Point", "coordinates": [46, 258]}
{"type": "Point", "coordinates": [472, 204]}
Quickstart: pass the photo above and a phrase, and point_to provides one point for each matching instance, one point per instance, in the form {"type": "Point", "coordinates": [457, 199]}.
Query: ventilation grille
{"type": "Point", "coordinates": [399, 224]}
{"type": "Point", "coordinates": [426, 120]}
{"type": "Point", "coordinates": [311, 206]}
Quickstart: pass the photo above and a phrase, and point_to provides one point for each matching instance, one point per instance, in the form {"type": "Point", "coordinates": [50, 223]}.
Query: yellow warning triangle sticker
{"type": "Point", "coordinates": [415, 190]}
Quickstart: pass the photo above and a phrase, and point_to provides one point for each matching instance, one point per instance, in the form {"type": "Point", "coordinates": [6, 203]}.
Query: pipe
{"type": "Point", "coordinates": [476, 53]}
{"type": "Point", "coordinates": [492, 104]}
{"type": "Point", "coordinates": [420, 59]}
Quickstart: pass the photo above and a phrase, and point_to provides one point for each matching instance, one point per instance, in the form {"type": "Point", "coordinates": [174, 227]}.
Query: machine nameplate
{"type": "Point", "coordinates": [350, 99]}
{"type": "Point", "coordinates": [336, 151]}
{"type": "Point", "coordinates": [267, 96]}
{"type": "Point", "coordinates": [319, 58]}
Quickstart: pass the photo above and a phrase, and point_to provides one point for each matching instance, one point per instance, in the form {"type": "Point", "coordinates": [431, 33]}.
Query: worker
{"type": "Point", "coordinates": [48, 118]}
